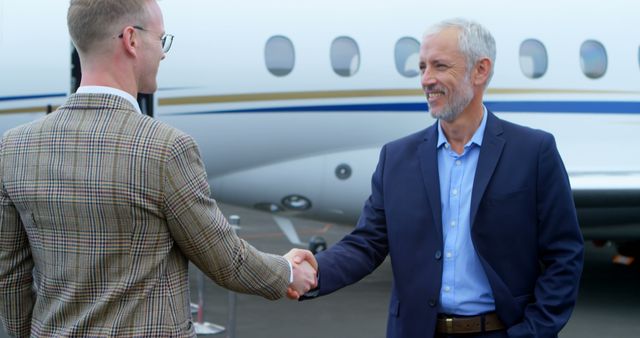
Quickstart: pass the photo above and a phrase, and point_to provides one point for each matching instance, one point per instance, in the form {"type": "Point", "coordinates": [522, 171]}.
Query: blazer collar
{"type": "Point", "coordinates": [98, 101]}
{"type": "Point", "coordinates": [490, 152]}
{"type": "Point", "coordinates": [109, 90]}
{"type": "Point", "coordinates": [427, 153]}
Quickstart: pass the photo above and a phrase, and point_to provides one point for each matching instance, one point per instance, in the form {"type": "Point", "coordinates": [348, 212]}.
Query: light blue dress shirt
{"type": "Point", "coordinates": [465, 288]}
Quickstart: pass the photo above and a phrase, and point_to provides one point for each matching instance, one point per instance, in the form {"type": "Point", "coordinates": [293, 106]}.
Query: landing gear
{"type": "Point", "coordinates": [317, 244]}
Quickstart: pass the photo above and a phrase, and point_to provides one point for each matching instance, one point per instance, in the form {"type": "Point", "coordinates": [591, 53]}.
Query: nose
{"type": "Point", "coordinates": [427, 78]}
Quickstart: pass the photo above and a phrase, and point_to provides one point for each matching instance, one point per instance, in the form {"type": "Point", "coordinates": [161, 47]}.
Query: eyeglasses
{"type": "Point", "coordinates": [167, 39]}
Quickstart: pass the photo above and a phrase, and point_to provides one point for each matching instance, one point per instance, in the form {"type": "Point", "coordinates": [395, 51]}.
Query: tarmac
{"type": "Point", "coordinates": [608, 303]}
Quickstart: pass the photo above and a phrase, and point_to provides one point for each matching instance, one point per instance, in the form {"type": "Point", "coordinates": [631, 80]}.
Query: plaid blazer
{"type": "Point", "coordinates": [101, 208]}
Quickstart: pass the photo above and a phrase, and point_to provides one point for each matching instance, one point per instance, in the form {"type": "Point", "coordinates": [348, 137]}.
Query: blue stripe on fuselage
{"type": "Point", "coordinates": [588, 107]}
{"type": "Point", "coordinates": [31, 97]}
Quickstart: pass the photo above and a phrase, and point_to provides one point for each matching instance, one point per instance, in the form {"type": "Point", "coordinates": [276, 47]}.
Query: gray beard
{"type": "Point", "coordinates": [453, 108]}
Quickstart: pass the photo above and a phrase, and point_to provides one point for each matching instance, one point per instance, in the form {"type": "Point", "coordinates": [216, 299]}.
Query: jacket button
{"type": "Point", "coordinates": [438, 255]}
{"type": "Point", "coordinates": [432, 302]}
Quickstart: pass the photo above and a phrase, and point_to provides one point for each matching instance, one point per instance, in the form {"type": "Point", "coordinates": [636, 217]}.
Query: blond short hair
{"type": "Point", "coordinates": [93, 21]}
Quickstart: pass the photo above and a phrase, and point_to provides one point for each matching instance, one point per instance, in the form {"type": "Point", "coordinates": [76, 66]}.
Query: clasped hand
{"type": "Point", "coordinates": [305, 269]}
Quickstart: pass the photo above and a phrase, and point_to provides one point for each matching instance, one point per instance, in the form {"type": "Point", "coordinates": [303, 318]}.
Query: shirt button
{"type": "Point", "coordinates": [449, 255]}
{"type": "Point", "coordinates": [458, 162]}
{"type": "Point", "coordinates": [453, 223]}
{"type": "Point", "coordinates": [432, 302]}
{"type": "Point", "coordinates": [447, 289]}
{"type": "Point", "coordinates": [446, 145]}
{"type": "Point", "coordinates": [438, 255]}
{"type": "Point", "coordinates": [454, 192]}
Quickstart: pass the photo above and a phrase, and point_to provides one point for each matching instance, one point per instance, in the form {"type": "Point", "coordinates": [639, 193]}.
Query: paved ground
{"type": "Point", "coordinates": [608, 306]}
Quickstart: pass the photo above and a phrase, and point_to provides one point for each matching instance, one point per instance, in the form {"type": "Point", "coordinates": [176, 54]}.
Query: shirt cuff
{"type": "Point", "coordinates": [290, 272]}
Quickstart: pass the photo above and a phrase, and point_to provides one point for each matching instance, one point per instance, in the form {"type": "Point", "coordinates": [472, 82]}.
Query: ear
{"type": "Point", "coordinates": [130, 41]}
{"type": "Point", "coordinates": [481, 72]}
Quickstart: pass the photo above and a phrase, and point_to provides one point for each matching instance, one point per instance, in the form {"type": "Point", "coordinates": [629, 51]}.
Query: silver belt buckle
{"type": "Point", "coordinates": [449, 322]}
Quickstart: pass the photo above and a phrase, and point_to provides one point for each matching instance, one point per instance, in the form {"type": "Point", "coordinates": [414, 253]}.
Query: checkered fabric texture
{"type": "Point", "coordinates": [101, 208]}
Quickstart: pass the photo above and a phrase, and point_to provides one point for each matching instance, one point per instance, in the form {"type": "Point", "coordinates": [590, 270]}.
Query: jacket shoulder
{"type": "Point", "coordinates": [23, 128]}
{"type": "Point", "coordinates": [175, 138]}
{"type": "Point", "coordinates": [518, 132]}
{"type": "Point", "coordinates": [410, 140]}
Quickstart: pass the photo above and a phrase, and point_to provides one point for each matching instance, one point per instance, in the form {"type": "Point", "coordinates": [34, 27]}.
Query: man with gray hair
{"type": "Point", "coordinates": [476, 213]}
{"type": "Point", "coordinates": [102, 208]}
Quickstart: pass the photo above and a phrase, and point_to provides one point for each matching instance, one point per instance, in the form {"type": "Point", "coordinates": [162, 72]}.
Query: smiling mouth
{"type": "Point", "coordinates": [432, 96]}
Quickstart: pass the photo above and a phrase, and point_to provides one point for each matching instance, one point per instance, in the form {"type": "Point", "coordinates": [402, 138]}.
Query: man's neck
{"type": "Point", "coordinates": [461, 130]}
{"type": "Point", "coordinates": [106, 73]}
{"type": "Point", "coordinates": [105, 81]}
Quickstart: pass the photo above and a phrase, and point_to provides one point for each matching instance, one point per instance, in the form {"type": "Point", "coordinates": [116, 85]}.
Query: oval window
{"type": "Point", "coordinates": [279, 55]}
{"type": "Point", "coordinates": [533, 58]}
{"type": "Point", "coordinates": [593, 59]}
{"type": "Point", "coordinates": [407, 56]}
{"type": "Point", "coordinates": [345, 56]}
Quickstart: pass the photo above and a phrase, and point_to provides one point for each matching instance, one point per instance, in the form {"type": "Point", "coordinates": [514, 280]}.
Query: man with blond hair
{"type": "Point", "coordinates": [102, 208]}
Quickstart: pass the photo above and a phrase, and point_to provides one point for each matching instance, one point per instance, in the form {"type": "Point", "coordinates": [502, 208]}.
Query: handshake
{"type": "Point", "coordinates": [305, 272]}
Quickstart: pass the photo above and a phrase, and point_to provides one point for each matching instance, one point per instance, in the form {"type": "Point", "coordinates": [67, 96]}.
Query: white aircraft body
{"type": "Point", "coordinates": [290, 101]}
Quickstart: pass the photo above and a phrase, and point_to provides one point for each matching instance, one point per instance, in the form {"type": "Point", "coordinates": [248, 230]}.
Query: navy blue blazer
{"type": "Point", "coordinates": [524, 229]}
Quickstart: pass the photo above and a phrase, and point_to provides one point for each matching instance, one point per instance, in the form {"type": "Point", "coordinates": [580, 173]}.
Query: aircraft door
{"type": "Point", "coordinates": [76, 71]}
{"type": "Point", "coordinates": [145, 101]}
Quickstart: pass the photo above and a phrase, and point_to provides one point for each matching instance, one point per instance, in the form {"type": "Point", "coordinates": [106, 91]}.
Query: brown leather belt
{"type": "Point", "coordinates": [475, 324]}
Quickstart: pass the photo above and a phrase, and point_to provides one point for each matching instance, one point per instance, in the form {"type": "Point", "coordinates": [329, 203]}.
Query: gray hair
{"type": "Point", "coordinates": [93, 21]}
{"type": "Point", "coordinates": [474, 41]}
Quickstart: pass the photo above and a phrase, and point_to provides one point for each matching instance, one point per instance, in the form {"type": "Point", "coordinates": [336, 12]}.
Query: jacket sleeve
{"type": "Point", "coordinates": [16, 264]}
{"type": "Point", "coordinates": [204, 235]}
{"type": "Point", "coordinates": [560, 249]}
{"type": "Point", "coordinates": [363, 250]}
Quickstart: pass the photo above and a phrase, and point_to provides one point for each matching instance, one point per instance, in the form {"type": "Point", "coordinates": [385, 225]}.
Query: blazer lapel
{"type": "Point", "coordinates": [427, 152]}
{"type": "Point", "coordinates": [490, 151]}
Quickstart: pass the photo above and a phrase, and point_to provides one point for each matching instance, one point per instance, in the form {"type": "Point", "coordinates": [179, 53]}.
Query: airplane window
{"type": "Point", "coordinates": [407, 57]}
{"type": "Point", "coordinates": [593, 59]}
{"type": "Point", "coordinates": [533, 58]}
{"type": "Point", "coordinates": [279, 55]}
{"type": "Point", "coordinates": [345, 56]}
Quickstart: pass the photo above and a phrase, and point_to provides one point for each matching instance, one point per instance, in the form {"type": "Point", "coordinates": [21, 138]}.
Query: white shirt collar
{"type": "Point", "coordinates": [112, 91]}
